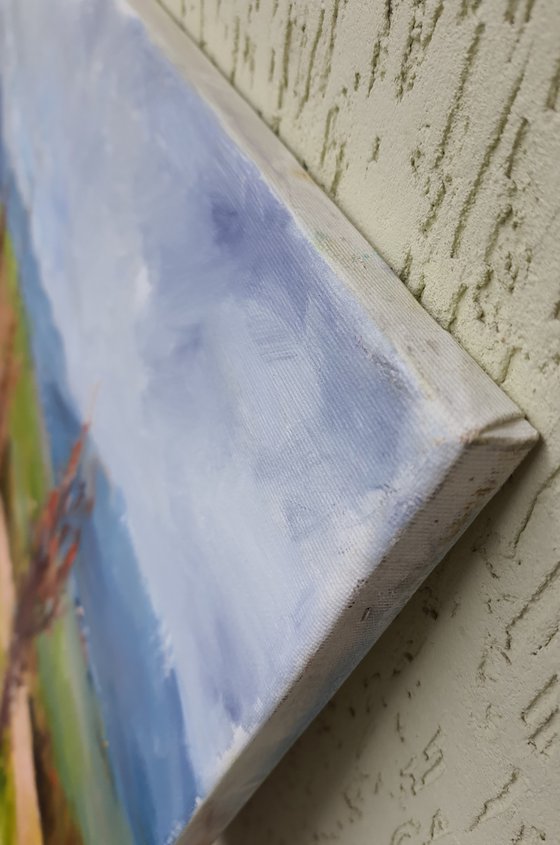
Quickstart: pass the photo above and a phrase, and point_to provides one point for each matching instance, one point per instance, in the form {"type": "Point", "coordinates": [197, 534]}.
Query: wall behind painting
{"type": "Point", "coordinates": [435, 126]}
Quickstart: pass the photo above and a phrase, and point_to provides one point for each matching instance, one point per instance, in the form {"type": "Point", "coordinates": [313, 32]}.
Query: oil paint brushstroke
{"type": "Point", "coordinates": [68, 737]}
{"type": "Point", "coordinates": [261, 440]}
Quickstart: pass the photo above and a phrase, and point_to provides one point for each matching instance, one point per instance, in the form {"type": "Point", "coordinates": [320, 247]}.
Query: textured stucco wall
{"type": "Point", "coordinates": [436, 127]}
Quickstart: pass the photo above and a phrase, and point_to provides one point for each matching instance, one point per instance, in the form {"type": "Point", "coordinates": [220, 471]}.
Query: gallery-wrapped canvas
{"type": "Point", "coordinates": [282, 444]}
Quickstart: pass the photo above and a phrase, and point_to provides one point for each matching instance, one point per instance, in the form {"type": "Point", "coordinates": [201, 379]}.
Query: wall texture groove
{"type": "Point", "coordinates": [435, 126]}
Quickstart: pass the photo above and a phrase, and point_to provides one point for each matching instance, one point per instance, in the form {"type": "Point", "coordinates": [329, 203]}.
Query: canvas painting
{"type": "Point", "coordinates": [281, 444]}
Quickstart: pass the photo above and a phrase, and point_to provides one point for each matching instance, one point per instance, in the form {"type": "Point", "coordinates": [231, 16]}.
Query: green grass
{"type": "Point", "coordinates": [80, 754]}
{"type": "Point", "coordinates": [7, 799]}
{"type": "Point", "coordinates": [63, 697]}
{"type": "Point", "coordinates": [28, 468]}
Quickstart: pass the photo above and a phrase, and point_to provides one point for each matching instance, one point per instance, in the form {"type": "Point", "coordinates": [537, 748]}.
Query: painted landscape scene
{"type": "Point", "coordinates": [209, 444]}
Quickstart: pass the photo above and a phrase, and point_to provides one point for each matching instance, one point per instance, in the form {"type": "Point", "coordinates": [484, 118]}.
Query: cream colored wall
{"type": "Point", "coordinates": [436, 127]}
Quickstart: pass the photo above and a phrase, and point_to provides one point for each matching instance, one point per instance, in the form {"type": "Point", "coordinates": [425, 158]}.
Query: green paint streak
{"type": "Point", "coordinates": [7, 798]}
{"type": "Point", "coordinates": [63, 693]}
{"type": "Point", "coordinates": [77, 734]}
{"type": "Point", "coordinates": [28, 470]}
{"type": "Point", "coordinates": [8, 822]}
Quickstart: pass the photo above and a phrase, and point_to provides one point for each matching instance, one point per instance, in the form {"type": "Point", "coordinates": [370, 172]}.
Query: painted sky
{"type": "Point", "coordinates": [257, 437]}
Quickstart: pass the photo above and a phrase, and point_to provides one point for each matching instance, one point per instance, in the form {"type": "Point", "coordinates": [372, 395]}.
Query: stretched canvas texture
{"type": "Point", "coordinates": [282, 442]}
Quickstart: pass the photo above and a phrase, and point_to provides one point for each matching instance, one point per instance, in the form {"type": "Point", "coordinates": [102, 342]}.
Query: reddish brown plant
{"type": "Point", "coordinates": [54, 548]}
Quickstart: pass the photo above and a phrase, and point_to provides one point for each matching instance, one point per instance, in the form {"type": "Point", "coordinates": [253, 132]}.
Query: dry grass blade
{"type": "Point", "coordinates": [57, 530]}
{"type": "Point", "coordinates": [55, 545]}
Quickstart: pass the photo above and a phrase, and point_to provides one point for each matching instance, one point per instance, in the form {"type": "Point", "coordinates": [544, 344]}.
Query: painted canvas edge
{"type": "Point", "coordinates": [470, 399]}
{"type": "Point", "coordinates": [478, 472]}
{"type": "Point", "coordinates": [490, 425]}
